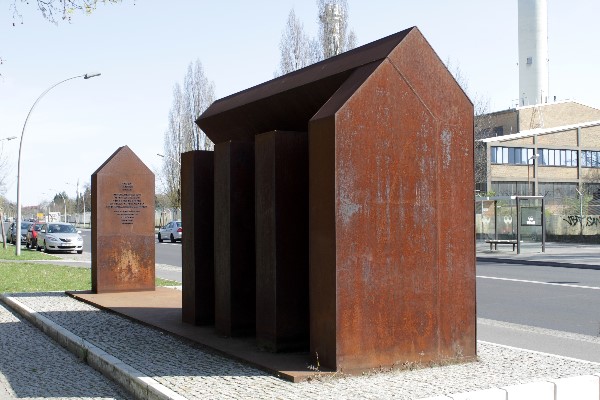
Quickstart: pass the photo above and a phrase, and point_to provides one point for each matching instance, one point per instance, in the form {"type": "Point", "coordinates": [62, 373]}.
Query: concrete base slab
{"type": "Point", "coordinates": [162, 309]}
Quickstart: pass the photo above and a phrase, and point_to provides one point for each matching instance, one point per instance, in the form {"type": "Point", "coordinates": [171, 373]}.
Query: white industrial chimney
{"type": "Point", "coordinates": [533, 52]}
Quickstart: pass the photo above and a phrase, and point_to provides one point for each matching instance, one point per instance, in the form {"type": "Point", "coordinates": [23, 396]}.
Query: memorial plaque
{"type": "Point", "coordinates": [123, 225]}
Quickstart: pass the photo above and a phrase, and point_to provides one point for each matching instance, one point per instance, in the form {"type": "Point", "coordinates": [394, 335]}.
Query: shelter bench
{"type": "Point", "coordinates": [496, 242]}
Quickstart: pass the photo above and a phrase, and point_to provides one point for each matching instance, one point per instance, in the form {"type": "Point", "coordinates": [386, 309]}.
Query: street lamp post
{"type": "Point", "coordinates": [83, 200]}
{"type": "Point", "coordinates": [533, 157]}
{"type": "Point", "coordinates": [85, 76]}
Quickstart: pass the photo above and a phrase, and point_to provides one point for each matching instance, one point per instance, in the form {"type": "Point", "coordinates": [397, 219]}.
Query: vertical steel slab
{"type": "Point", "coordinates": [455, 223]}
{"type": "Point", "coordinates": [235, 272]}
{"type": "Point", "coordinates": [281, 165]}
{"type": "Point", "coordinates": [123, 225]}
{"type": "Point", "coordinates": [391, 270]}
{"type": "Point", "coordinates": [197, 211]}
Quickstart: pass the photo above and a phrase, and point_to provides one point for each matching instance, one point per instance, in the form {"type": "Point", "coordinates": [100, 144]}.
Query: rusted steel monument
{"type": "Point", "coordinates": [343, 212]}
{"type": "Point", "coordinates": [123, 224]}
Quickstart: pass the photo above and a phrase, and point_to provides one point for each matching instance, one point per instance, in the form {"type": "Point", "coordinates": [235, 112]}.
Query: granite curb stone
{"type": "Point", "coordinates": [141, 386]}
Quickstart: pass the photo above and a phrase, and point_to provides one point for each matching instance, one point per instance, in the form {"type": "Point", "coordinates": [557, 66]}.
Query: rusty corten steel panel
{"type": "Point", "coordinates": [197, 217]}
{"type": "Point", "coordinates": [281, 176]}
{"type": "Point", "coordinates": [289, 101]}
{"type": "Point", "coordinates": [456, 218]}
{"type": "Point", "coordinates": [235, 263]}
{"type": "Point", "coordinates": [386, 252]}
{"type": "Point", "coordinates": [322, 253]}
{"type": "Point", "coordinates": [123, 225]}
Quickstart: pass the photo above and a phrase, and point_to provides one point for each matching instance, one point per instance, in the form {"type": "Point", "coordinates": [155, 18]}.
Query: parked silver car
{"type": "Point", "coordinates": [171, 231]}
{"type": "Point", "coordinates": [59, 236]}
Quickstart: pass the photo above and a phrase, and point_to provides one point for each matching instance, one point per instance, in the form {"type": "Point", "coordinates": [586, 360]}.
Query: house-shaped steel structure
{"type": "Point", "coordinates": [343, 214]}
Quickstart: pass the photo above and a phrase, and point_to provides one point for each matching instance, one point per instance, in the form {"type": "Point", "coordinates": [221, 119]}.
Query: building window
{"type": "Point", "coordinates": [590, 159]}
{"type": "Point", "coordinates": [511, 155]}
{"type": "Point", "coordinates": [547, 157]}
{"type": "Point", "coordinates": [510, 188]}
{"type": "Point", "coordinates": [557, 192]}
{"type": "Point", "coordinates": [557, 158]}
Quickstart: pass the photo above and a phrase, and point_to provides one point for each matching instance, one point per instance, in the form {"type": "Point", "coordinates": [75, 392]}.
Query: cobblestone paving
{"type": "Point", "coordinates": [32, 366]}
{"type": "Point", "coordinates": [196, 374]}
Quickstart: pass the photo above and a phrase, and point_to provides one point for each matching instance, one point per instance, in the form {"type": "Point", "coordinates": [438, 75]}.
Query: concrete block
{"type": "Point", "coordinates": [485, 394]}
{"type": "Point", "coordinates": [528, 391]}
{"type": "Point", "coordinates": [585, 387]}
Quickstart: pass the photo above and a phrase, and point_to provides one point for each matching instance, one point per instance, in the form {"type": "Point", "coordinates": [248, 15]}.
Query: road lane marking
{"type": "Point", "coordinates": [539, 352]}
{"type": "Point", "coordinates": [528, 329]}
{"type": "Point", "coordinates": [538, 282]}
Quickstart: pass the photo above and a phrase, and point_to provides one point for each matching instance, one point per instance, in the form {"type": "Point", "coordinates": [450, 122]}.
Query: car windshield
{"type": "Point", "coordinates": [56, 228]}
{"type": "Point", "coordinates": [178, 224]}
{"type": "Point", "coordinates": [25, 225]}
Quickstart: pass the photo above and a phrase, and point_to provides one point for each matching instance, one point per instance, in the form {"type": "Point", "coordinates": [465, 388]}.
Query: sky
{"type": "Point", "coordinates": [142, 49]}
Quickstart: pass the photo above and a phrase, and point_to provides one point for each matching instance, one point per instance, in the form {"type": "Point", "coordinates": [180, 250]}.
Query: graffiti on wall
{"type": "Point", "coordinates": [588, 221]}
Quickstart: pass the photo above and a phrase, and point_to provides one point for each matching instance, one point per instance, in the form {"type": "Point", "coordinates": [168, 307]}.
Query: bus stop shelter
{"type": "Point", "coordinates": [514, 218]}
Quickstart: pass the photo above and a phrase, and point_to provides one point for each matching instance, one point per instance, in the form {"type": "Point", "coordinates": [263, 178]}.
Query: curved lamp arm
{"type": "Point", "coordinates": [84, 76]}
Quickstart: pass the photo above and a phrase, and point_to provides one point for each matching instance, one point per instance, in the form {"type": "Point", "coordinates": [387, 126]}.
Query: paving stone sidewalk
{"type": "Point", "coordinates": [193, 373]}
{"type": "Point", "coordinates": [33, 366]}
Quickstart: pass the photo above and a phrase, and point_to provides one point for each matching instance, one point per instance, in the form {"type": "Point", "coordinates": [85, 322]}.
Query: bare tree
{"type": "Point", "coordinates": [173, 147]}
{"type": "Point", "coordinates": [5, 169]}
{"type": "Point", "coordinates": [482, 125]}
{"type": "Point", "coordinates": [296, 48]}
{"type": "Point", "coordinates": [182, 132]}
{"type": "Point", "coordinates": [53, 10]}
{"type": "Point", "coordinates": [334, 35]}
{"type": "Point", "coordinates": [483, 128]}
{"type": "Point", "coordinates": [199, 94]}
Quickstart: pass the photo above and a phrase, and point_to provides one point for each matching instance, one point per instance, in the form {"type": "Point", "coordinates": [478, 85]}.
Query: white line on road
{"type": "Point", "coordinates": [540, 283]}
{"type": "Point", "coordinates": [539, 352]}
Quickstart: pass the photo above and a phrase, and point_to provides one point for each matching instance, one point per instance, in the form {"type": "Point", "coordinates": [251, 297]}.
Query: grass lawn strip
{"type": "Point", "coordinates": [8, 253]}
{"type": "Point", "coordinates": [35, 277]}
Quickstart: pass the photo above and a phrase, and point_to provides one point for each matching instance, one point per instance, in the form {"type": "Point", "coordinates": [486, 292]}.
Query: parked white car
{"type": "Point", "coordinates": [171, 231]}
{"type": "Point", "coordinates": [59, 236]}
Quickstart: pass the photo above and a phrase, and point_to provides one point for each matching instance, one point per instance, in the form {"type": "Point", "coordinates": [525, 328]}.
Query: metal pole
{"type": "Point", "coordinates": [85, 76]}
{"type": "Point", "coordinates": [580, 213]}
{"type": "Point", "coordinates": [83, 198]}
{"type": "Point", "coordinates": [518, 227]}
{"type": "Point", "coordinates": [543, 228]}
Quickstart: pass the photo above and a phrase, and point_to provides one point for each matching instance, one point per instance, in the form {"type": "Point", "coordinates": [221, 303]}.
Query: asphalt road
{"type": "Point", "coordinates": [565, 299]}
{"type": "Point", "coordinates": [548, 309]}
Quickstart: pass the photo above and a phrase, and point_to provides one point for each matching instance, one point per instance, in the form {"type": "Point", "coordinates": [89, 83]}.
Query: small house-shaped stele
{"type": "Point", "coordinates": [343, 210]}
{"type": "Point", "coordinates": [123, 237]}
